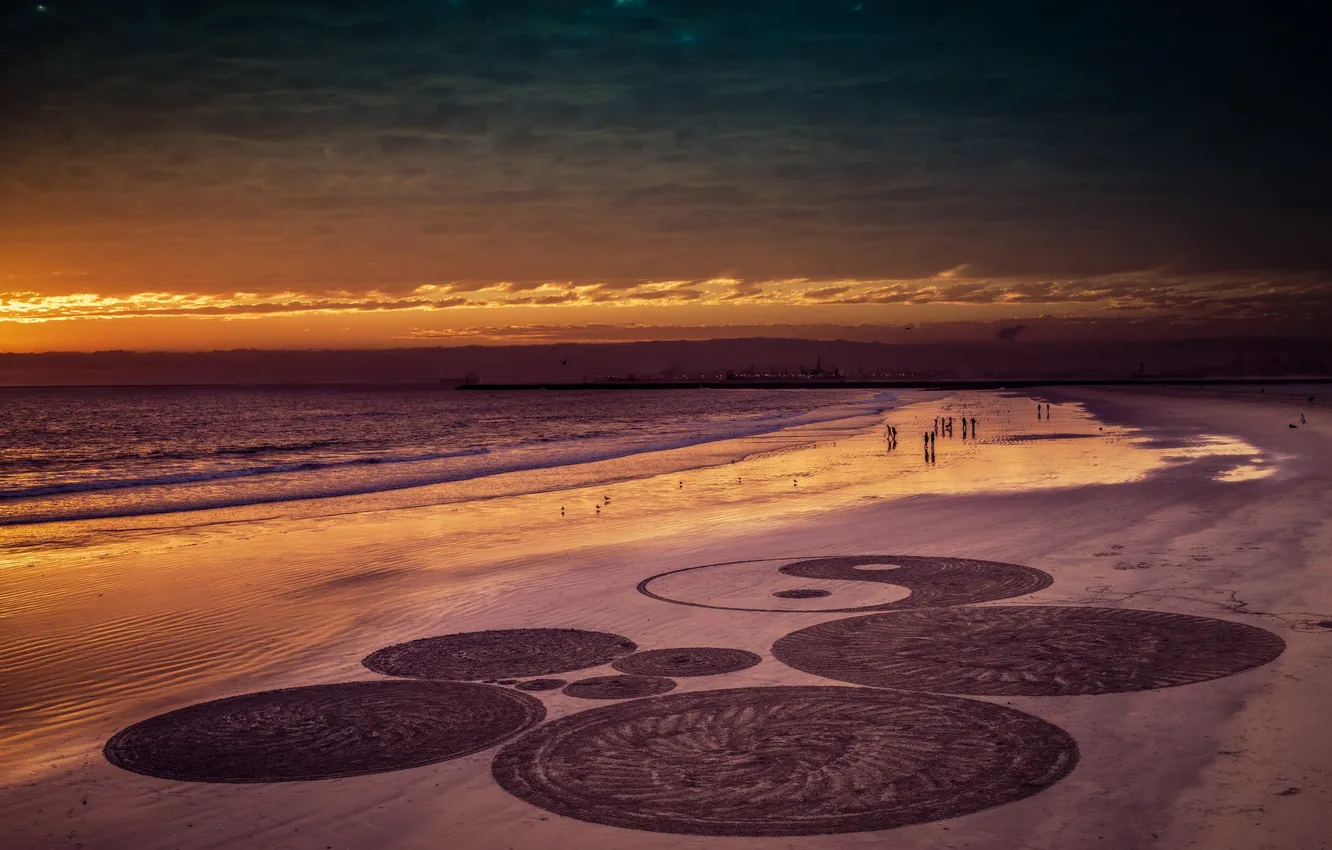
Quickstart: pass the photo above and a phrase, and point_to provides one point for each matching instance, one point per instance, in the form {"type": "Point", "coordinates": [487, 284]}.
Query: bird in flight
{"type": "Point", "coordinates": [564, 362]}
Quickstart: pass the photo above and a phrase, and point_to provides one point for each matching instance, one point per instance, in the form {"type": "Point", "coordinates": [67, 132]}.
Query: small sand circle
{"type": "Point", "coordinates": [783, 761]}
{"type": "Point", "coordinates": [540, 685]}
{"type": "Point", "coordinates": [686, 661]}
{"type": "Point", "coordinates": [323, 731]}
{"type": "Point", "coordinates": [618, 687]}
{"type": "Point", "coordinates": [1027, 650]}
{"type": "Point", "coordinates": [499, 654]}
{"type": "Point", "coordinates": [802, 593]}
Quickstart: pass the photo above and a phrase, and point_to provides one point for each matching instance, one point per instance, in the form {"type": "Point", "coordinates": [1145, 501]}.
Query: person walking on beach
{"type": "Point", "coordinates": [973, 427]}
{"type": "Point", "coordinates": [1047, 410]}
{"type": "Point", "coordinates": [1038, 410]}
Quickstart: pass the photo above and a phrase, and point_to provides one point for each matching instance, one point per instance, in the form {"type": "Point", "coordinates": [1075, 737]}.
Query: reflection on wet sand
{"type": "Point", "coordinates": [116, 619]}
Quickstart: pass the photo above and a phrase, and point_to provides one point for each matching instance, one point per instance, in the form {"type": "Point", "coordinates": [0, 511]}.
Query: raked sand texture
{"type": "Point", "coordinates": [1140, 667]}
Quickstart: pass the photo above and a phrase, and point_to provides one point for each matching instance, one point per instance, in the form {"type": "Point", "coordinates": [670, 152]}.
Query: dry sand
{"type": "Point", "coordinates": [1198, 503]}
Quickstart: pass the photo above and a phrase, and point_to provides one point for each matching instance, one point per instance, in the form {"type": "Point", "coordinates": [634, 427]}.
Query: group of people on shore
{"type": "Point", "coordinates": [945, 424]}
{"type": "Point", "coordinates": [942, 425]}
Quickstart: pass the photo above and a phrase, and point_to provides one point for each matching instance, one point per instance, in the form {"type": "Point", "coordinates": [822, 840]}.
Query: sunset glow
{"type": "Point", "coordinates": [405, 173]}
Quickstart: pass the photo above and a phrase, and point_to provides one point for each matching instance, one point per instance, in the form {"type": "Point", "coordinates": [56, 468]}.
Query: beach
{"type": "Point", "coordinates": [1201, 504]}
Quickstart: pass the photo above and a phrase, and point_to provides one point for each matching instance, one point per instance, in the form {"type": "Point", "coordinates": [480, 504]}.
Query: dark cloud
{"type": "Point", "coordinates": [497, 140]}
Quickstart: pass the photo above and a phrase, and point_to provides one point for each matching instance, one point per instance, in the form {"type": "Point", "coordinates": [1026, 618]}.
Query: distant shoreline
{"type": "Point", "coordinates": [914, 384]}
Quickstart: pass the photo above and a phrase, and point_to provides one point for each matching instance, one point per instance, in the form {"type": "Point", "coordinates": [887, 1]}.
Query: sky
{"type": "Point", "coordinates": [351, 174]}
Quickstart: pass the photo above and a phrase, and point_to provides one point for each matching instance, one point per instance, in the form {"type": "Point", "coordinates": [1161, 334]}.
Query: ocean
{"type": "Point", "coordinates": [83, 453]}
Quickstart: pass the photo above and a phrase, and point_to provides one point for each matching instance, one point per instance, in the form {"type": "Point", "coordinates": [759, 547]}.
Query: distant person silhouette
{"type": "Point", "coordinates": [1038, 411]}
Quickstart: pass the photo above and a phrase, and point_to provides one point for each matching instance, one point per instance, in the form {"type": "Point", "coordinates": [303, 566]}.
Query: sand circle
{"type": "Point", "coordinates": [540, 685]}
{"type": "Point", "coordinates": [686, 661]}
{"type": "Point", "coordinates": [1027, 650]}
{"type": "Point", "coordinates": [844, 583]}
{"type": "Point", "coordinates": [784, 761]}
{"type": "Point", "coordinates": [499, 654]}
{"type": "Point", "coordinates": [322, 731]}
{"type": "Point", "coordinates": [618, 687]}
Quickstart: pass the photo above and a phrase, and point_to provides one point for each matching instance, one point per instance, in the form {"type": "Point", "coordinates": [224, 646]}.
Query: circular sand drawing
{"type": "Point", "coordinates": [323, 731]}
{"type": "Point", "coordinates": [784, 761]}
{"type": "Point", "coordinates": [1027, 650]}
{"type": "Point", "coordinates": [619, 687]}
{"type": "Point", "coordinates": [852, 582]}
{"type": "Point", "coordinates": [686, 661]}
{"type": "Point", "coordinates": [540, 685]}
{"type": "Point", "coordinates": [499, 654]}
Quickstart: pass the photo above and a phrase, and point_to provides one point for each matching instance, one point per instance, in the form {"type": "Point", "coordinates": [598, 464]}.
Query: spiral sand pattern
{"type": "Point", "coordinates": [686, 661]}
{"type": "Point", "coordinates": [619, 687]}
{"type": "Point", "coordinates": [323, 731]}
{"type": "Point", "coordinates": [933, 581]}
{"type": "Point", "coordinates": [784, 761]}
{"type": "Point", "coordinates": [499, 654]}
{"type": "Point", "coordinates": [1027, 650]}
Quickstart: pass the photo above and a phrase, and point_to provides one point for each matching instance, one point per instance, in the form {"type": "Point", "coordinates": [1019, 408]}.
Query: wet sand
{"type": "Point", "coordinates": [1199, 503]}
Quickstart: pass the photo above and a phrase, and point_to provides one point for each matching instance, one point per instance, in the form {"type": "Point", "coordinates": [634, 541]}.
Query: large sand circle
{"type": "Point", "coordinates": [784, 761]}
{"type": "Point", "coordinates": [499, 654]}
{"type": "Point", "coordinates": [846, 583]}
{"type": "Point", "coordinates": [323, 731]}
{"type": "Point", "coordinates": [1027, 650]}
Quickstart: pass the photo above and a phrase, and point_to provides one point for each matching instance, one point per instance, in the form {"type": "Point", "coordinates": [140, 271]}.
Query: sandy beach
{"type": "Point", "coordinates": [1190, 504]}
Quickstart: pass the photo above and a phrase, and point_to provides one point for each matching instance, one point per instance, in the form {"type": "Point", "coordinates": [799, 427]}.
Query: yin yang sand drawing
{"type": "Point", "coordinates": [894, 738]}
